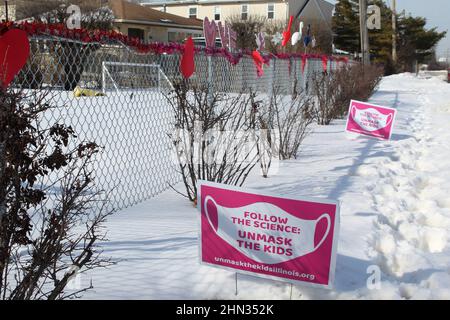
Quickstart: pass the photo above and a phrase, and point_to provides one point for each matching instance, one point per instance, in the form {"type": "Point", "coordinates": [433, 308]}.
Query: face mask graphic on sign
{"type": "Point", "coordinates": [299, 244]}
{"type": "Point", "coordinates": [370, 119]}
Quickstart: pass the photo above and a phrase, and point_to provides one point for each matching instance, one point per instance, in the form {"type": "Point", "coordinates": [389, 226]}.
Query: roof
{"type": "Point", "coordinates": [325, 9]}
{"type": "Point", "coordinates": [125, 11]}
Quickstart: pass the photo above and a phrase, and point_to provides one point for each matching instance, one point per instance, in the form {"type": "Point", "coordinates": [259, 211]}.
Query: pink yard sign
{"type": "Point", "coordinates": [274, 237]}
{"type": "Point", "coordinates": [370, 119]}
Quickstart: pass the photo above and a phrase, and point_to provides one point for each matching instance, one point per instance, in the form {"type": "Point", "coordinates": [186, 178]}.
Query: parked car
{"type": "Point", "coordinates": [201, 42]}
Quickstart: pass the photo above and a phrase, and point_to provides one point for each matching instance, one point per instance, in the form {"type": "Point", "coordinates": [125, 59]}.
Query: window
{"type": "Point", "coordinates": [244, 12]}
{"type": "Point", "coordinates": [136, 33]}
{"type": "Point", "coordinates": [193, 13]}
{"type": "Point", "coordinates": [217, 13]}
{"type": "Point", "coordinates": [180, 37]}
{"type": "Point", "coordinates": [270, 11]}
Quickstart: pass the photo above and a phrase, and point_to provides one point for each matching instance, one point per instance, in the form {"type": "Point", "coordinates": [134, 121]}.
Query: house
{"type": "Point", "coordinates": [319, 11]}
{"type": "Point", "coordinates": [152, 25]}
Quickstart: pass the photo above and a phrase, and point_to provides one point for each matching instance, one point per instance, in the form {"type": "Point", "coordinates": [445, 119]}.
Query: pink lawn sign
{"type": "Point", "coordinates": [370, 120]}
{"type": "Point", "coordinates": [280, 238]}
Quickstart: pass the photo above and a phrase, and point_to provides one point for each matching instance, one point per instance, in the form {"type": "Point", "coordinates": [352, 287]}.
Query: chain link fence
{"type": "Point", "coordinates": [114, 96]}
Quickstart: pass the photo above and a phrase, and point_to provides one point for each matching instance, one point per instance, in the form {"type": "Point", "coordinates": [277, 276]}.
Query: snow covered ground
{"type": "Point", "coordinates": [395, 214]}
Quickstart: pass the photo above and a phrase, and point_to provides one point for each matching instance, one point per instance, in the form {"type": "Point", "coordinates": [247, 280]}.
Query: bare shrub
{"type": "Point", "coordinates": [214, 139]}
{"type": "Point", "coordinates": [332, 92]}
{"type": "Point", "coordinates": [324, 91]}
{"type": "Point", "coordinates": [292, 118]}
{"type": "Point", "coordinates": [49, 229]}
{"type": "Point", "coordinates": [355, 82]}
{"type": "Point", "coordinates": [262, 122]}
{"type": "Point", "coordinates": [368, 80]}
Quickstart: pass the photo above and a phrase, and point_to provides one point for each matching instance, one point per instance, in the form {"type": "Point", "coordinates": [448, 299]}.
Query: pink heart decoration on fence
{"type": "Point", "coordinates": [14, 53]}
{"type": "Point", "coordinates": [224, 35]}
{"type": "Point", "coordinates": [258, 61]}
{"type": "Point", "coordinates": [209, 30]}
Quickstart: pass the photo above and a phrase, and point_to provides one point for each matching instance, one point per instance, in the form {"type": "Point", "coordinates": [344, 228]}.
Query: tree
{"type": "Point", "coordinates": [347, 30]}
{"type": "Point", "coordinates": [345, 24]}
{"type": "Point", "coordinates": [94, 13]}
{"type": "Point", "coordinates": [414, 40]}
{"type": "Point", "coordinates": [416, 43]}
{"type": "Point", "coordinates": [246, 30]}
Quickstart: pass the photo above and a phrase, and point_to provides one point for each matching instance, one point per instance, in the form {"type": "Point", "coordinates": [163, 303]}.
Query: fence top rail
{"type": "Point", "coordinates": [96, 37]}
{"type": "Point", "coordinates": [129, 64]}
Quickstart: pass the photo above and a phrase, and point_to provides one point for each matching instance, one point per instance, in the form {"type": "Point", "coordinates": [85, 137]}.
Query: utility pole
{"type": "Point", "coordinates": [364, 32]}
{"type": "Point", "coordinates": [447, 60]}
{"type": "Point", "coordinates": [6, 11]}
{"type": "Point", "coordinates": [394, 31]}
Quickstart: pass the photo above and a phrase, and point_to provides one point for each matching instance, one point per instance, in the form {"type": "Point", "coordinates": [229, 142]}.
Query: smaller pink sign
{"type": "Point", "coordinates": [269, 236]}
{"type": "Point", "coordinates": [370, 120]}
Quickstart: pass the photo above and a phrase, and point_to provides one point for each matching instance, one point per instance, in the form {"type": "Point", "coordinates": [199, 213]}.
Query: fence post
{"type": "Point", "coordinates": [103, 77]}
{"type": "Point", "coordinates": [210, 80]}
{"type": "Point", "coordinates": [159, 76]}
{"type": "Point", "coordinates": [271, 78]}
{"type": "Point", "coordinates": [293, 83]}
{"type": "Point", "coordinates": [2, 165]}
{"type": "Point", "coordinates": [305, 76]}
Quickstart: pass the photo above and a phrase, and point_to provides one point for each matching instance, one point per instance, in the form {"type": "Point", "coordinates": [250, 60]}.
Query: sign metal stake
{"type": "Point", "coordinates": [290, 298]}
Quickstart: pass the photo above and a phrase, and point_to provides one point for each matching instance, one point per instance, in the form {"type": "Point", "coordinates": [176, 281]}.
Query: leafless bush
{"type": "Point", "coordinates": [355, 82]}
{"type": "Point", "coordinates": [333, 91]}
{"type": "Point", "coordinates": [214, 139]}
{"type": "Point", "coordinates": [262, 122]}
{"type": "Point", "coordinates": [323, 88]}
{"type": "Point", "coordinates": [368, 80]}
{"type": "Point", "coordinates": [49, 230]}
{"type": "Point", "coordinates": [283, 122]}
{"type": "Point", "coordinates": [291, 119]}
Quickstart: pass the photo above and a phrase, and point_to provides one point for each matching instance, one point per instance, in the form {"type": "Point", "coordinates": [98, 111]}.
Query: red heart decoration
{"type": "Point", "coordinates": [324, 63]}
{"type": "Point", "coordinates": [287, 33]}
{"type": "Point", "coordinates": [304, 59]}
{"type": "Point", "coordinates": [14, 53]}
{"type": "Point", "coordinates": [187, 61]}
{"type": "Point", "coordinates": [258, 61]}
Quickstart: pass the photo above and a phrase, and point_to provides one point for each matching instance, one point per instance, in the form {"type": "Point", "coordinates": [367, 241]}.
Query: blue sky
{"type": "Point", "coordinates": [437, 13]}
